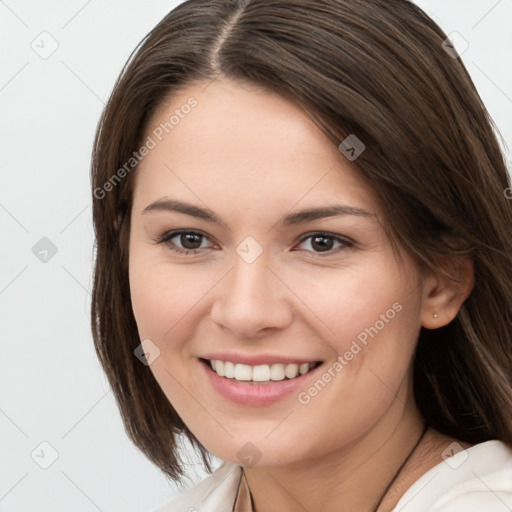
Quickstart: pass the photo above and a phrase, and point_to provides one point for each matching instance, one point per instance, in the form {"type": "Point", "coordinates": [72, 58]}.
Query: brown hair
{"type": "Point", "coordinates": [374, 68]}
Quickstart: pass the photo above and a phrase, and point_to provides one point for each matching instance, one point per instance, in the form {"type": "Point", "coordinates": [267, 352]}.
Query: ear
{"type": "Point", "coordinates": [444, 294]}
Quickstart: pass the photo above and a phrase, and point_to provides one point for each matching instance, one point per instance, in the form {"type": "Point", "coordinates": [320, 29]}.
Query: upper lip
{"type": "Point", "coordinates": [256, 360]}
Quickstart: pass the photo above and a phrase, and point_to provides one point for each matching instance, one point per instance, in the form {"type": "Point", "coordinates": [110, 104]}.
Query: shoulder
{"type": "Point", "coordinates": [216, 493]}
{"type": "Point", "coordinates": [471, 480]}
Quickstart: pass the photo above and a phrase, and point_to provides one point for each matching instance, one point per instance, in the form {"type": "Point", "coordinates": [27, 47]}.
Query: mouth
{"type": "Point", "coordinates": [260, 374]}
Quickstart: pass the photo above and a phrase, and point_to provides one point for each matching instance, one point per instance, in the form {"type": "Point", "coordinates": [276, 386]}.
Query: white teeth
{"type": "Point", "coordinates": [229, 370]}
{"type": "Point", "coordinates": [291, 370]}
{"type": "Point", "coordinates": [260, 373]}
{"type": "Point", "coordinates": [243, 372]}
{"type": "Point", "coordinates": [277, 372]}
{"type": "Point", "coordinates": [219, 368]}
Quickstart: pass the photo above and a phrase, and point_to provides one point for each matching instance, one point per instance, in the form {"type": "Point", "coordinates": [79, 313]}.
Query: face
{"type": "Point", "coordinates": [235, 257]}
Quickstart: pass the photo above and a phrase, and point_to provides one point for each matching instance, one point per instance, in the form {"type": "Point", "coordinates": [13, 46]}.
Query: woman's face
{"type": "Point", "coordinates": [267, 285]}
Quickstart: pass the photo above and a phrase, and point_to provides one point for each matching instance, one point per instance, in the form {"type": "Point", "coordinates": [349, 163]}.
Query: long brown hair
{"type": "Point", "coordinates": [374, 68]}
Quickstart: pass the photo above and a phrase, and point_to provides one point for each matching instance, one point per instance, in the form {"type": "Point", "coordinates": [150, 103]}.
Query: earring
{"type": "Point", "coordinates": [436, 315]}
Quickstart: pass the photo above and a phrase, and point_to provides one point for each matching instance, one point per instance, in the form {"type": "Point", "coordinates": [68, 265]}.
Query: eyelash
{"type": "Point", "coordinates": [165, 238]}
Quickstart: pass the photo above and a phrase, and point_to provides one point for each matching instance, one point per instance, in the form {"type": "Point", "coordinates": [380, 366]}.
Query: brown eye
{"type": "Point", "coordinates": [325, 243]}
{"type": "Point", "coordinates": [184, 241]}
{"type": "Point", "coordinates": [190, 240]}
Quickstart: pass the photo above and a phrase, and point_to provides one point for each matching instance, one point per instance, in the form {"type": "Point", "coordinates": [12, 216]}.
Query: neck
{"type": "Point", "coordinates": [352, 477]}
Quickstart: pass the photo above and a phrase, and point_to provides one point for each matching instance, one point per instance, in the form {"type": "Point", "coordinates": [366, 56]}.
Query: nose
{"type": "Point", "coordinates": [251, 301]}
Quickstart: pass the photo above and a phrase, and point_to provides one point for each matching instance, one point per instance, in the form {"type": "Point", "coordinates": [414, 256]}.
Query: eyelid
{"type": "Point", "coordinates": [346, 242]}
{"type": "Point", "coordinates": [166, 237]}
{"type": "Point", "coordinates": [342, 238]}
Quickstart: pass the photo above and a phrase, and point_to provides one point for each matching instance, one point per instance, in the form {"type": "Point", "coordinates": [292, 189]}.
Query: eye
{"type": "Point", "coordinates": [185, 241]}
{"type": "Point", "coordinates": [192, 242]}
{"type": "Point", "coordinates": [324, 243]}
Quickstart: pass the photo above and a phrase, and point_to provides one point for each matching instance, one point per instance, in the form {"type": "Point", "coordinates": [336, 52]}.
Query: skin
{"type": "Point", "coordinates": [252, 157]}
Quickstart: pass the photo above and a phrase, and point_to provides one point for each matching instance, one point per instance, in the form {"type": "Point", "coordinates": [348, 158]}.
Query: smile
{"type": "Point", "coordinates": [261, 373]}
{"type": "Point", "coordinates": [276, 380]}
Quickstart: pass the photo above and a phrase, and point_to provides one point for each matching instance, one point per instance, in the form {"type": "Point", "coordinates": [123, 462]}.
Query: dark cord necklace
{"type": "Point", "coordinates": [386, 490]}
{"type": "Point", "coordinates": [425, 428]}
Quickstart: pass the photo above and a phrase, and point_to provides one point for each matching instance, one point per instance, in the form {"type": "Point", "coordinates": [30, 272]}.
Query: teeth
{"type": "Point", "coordinates": [291, 370]}
{"type": "Point", "coordinates": [277, 372]}
{"type": "Point", "coordinates": [243, 372]}
{"type": "Point", "coordinates": [229, 369]}
{"type": "Point", "coordinates": [260, 373]}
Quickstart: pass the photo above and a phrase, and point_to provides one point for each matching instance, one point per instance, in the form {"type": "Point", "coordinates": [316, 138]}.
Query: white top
{"type": "Point", "coordinates": [478, 479]}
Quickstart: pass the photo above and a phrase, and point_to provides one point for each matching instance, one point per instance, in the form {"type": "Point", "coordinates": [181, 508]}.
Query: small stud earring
{"type": "Point", "coordinates": [436, 315]}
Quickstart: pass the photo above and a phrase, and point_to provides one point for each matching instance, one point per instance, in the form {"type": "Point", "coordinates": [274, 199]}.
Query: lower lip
{"type": "Point", "coordinates": [255, 394]}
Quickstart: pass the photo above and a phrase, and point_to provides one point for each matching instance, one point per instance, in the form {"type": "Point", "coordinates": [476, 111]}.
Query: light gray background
{"type": "Point", "coordinates": [52, 388]}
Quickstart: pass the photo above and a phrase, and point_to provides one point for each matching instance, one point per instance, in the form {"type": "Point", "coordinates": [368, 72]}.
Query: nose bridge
{"type": "Point", "coordinates": [250, 279]}
{"type": "Point", "coordinates": [251, 298]}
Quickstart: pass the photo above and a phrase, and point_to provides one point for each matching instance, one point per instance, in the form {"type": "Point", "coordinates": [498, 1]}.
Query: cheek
{"type": "Point", "coordinates": [346, 302]}
{"type": "Point", "coordinates": [153, 294]}
{"type": "Point", "coordinates": [164, 296]}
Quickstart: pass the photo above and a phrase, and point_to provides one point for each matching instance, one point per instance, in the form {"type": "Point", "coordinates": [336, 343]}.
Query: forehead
{"type": "Point", "coordinates": [252, 144]}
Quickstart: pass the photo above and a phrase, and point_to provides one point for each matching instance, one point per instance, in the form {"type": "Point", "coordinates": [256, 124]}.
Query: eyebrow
{"type": "Point", "coordinates": [302, 216]}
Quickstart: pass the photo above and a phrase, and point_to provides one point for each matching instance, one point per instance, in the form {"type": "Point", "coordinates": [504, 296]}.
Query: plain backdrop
{"type": "Point", "coordinates": [62, 443]}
